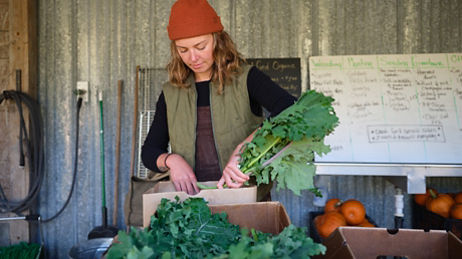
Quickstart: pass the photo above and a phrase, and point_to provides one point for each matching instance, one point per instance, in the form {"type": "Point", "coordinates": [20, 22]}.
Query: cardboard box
{"type": "Point", "coordinates": [268, 217]}
{"type": "Point", "coordinates": [365, 243]}
{"type": "Point", "coordinates": [153, 196]}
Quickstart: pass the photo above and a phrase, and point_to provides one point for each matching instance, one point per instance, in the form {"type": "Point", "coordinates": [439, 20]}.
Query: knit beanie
{"type": "Point", "coordinates": [190, 18]}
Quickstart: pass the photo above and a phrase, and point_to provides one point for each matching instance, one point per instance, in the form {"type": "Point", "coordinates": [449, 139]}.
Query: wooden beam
{"type": "Point", "coordinates": [18, 52]}
{"type": "Point", "coordinates": [23, 48]}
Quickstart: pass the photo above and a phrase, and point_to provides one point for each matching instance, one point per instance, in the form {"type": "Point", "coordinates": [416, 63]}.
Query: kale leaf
{"type": "Point", "coordinates": [283, 149]}
{"type": "Point", "coordinates": [292, 242]}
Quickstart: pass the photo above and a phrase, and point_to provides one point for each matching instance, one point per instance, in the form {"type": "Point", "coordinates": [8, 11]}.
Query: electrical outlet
{"type": "Point", "coordinates": [83, 87]}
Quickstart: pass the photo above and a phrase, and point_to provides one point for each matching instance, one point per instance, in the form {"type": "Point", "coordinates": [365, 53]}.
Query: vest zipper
{"type": "Point", "coordinates": [213, 128]}
{"type": "Point", "coordinates": [195, 131]}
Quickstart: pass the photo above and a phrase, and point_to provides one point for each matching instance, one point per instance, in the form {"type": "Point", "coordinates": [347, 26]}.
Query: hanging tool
{"type": "Point", "coordinates": [21, 138]}
{"type": "Point", "coordinates": [117, 150]}
{"type": "Point", "coordinates": [104, 230]}
{"type": "Point", "coordinates": [135, 122]}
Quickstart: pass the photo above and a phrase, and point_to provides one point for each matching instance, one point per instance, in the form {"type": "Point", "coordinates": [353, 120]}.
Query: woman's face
{"type": "Point", "coordinates": [197, 54]}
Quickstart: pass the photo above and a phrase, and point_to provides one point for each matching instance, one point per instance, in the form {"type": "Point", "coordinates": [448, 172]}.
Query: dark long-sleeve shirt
{"type": "Point", "coordinates": [263, 92]}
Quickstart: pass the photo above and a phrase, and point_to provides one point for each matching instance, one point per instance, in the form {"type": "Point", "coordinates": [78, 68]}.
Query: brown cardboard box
{"type": "Point", "coordinates": [153, 196]}
{"type": "Point", "coordinates": [268, 217]}
{"type": "Point", "coordinates": [368, 243]}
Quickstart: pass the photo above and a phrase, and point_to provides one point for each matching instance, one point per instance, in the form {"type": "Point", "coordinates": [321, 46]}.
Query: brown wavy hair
{"type": "Point", "coordinates": [227, 63]}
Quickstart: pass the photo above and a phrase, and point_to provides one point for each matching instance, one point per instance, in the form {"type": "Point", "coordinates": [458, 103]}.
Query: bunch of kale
{"type": "Point", "coordinates": [189, 230]}
{"type": "Point", "coordinates": [283, 149]}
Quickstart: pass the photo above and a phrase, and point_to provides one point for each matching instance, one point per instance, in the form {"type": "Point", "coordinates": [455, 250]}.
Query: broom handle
{"type": "Point", "coordinates": [101, 133]}
{"type": "Point", "coordinates": [135, 121]}
{"type": "Point", "coordinates": [117, 158]}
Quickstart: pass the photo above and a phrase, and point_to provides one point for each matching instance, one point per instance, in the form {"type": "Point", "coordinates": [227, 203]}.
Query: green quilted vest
{"type": "Point", "coordinates": [232, 118]}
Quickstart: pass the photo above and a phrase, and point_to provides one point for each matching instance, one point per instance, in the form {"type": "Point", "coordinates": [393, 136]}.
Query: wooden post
{"type": "Point", "coordinates": [18, 52]}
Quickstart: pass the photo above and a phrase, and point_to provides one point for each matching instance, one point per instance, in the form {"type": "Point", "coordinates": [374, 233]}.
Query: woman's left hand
{"type": "Point", "coordinates": [232, 175]}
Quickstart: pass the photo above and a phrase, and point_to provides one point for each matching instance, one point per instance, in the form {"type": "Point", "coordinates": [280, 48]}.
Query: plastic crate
{"type": "Point", "coordinates": [314, 233]}
{"type": "Point", "coordinates": [426, 220]}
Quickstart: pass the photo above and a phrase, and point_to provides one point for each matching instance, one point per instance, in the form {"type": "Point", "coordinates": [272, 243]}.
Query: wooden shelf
{"type": "Point", "coordinates": [408, 177]}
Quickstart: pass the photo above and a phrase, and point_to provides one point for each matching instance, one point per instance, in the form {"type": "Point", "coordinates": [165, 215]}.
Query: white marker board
{"type": "Point", "coordinates": [393, 108]}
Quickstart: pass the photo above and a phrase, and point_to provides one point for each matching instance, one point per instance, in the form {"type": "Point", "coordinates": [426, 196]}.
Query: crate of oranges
{"type": "Point", "coordinates": [435, 210]}
{"type": "Point", "coordinates": [338, 213]}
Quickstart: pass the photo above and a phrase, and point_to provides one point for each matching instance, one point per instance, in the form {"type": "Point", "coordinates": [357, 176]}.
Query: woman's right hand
{"type": "Point", "coordinates": [182, 175]}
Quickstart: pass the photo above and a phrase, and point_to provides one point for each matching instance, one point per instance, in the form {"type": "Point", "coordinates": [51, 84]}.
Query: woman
{"type": "Point", "coordinates": [211, 105]}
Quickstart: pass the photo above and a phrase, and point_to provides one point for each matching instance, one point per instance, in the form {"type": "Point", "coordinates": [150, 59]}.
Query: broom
{"type": "Point", "coordinates": [104, 230]}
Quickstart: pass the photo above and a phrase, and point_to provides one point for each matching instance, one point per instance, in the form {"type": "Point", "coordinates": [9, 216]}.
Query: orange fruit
{"type": "Point", "coordinates": [329, 222]}
{"type": "Point", "coordinates": [332, 205]}
{"type": "Point", "coordinates": [353, 211]}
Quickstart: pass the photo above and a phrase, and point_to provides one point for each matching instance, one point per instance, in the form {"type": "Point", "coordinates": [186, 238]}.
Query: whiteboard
{"type": "Point", "coordinates": [393, 108]}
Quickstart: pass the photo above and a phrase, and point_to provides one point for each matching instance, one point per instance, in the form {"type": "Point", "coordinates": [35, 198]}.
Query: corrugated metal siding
{"type": "Point", "coordinates": [103, 41]}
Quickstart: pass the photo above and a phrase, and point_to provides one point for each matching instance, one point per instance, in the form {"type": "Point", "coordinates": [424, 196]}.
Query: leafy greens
{"type": "Point", "coordinates": [189, 230]}
{"type": "Point", "coordinates": [283, 149]}
{"type": "Point", "coordinates": [180, 229]}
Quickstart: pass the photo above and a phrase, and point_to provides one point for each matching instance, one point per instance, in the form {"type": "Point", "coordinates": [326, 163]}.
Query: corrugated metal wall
{"type": "Point", "coordinates": [102, 41]}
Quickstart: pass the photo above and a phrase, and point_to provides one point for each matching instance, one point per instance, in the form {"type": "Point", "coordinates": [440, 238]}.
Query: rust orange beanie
{"type": "Point", "coordinates": [190, 18]}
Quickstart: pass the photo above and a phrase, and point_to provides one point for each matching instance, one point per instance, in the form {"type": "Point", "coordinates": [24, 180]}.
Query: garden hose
{"type": "Point", "coordinates": [74, 176]}
{"type": "Point", "coordinates": [33, 141]}
{"type": "Point", "coordinates": [35, 155]}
